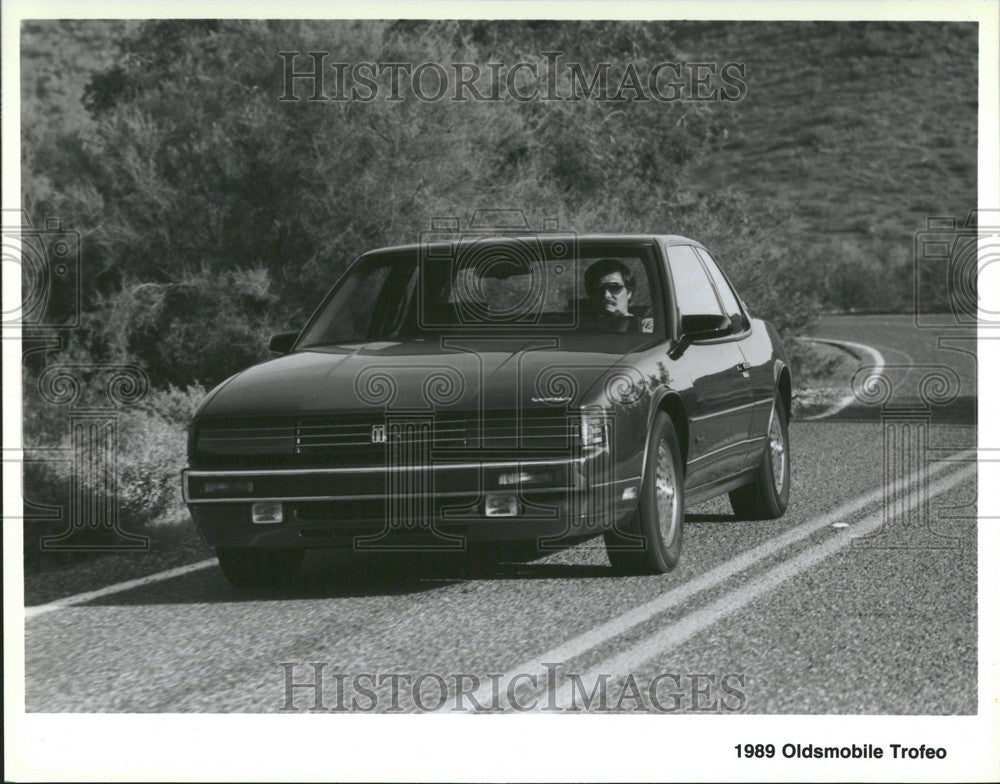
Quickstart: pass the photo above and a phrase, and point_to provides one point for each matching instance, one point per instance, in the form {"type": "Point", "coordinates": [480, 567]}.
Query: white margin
{"type": "Point", "coordinates": [491, 748]}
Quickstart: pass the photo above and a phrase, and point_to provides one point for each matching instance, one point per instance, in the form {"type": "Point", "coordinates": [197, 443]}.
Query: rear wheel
{"type": "Point", "coordinates": [652, 545]}
{"type": "Point", "coordinates": [766, 497]}
{"type": "Point", "coordinates": [258, 567]}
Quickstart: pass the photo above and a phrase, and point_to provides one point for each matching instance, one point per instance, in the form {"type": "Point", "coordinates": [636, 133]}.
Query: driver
{"type": "Point", "coordinates": [609, 284]}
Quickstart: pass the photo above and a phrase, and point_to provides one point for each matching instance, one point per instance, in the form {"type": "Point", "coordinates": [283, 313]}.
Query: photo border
{"type": "Point", "coordinates": [504, 748]}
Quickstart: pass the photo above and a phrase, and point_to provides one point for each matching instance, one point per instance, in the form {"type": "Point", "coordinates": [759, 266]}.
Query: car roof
{"type": "Point", "coordinates": [465, 239]}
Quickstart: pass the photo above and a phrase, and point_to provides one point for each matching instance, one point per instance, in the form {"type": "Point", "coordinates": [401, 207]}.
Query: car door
{"type": "Point", "coordinates": [720, 408]}
{"type": "Point", "coordinates": [757, 356]}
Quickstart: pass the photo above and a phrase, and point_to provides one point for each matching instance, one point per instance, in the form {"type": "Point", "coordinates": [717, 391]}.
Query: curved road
{"type": "Point", "coordinates": [799, 615]}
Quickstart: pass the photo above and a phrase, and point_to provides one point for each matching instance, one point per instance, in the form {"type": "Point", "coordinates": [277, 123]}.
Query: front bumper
{"type": "Point", "coordinates": [440, 505]}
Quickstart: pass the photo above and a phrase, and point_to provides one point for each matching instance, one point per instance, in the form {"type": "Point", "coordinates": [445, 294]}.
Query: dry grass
{"type": "Point", "coordinates": [856, 132]}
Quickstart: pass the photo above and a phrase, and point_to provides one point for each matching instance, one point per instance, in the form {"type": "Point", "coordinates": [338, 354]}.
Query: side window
{"type": "Point", "coordinates": [640, 296]}
{"type": "Point", "coordinates": [692, 288]}
{"type": "Point", "coordinates": [729, 301]}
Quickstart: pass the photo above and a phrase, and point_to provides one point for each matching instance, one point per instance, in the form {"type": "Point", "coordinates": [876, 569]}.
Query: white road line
{"type": "Point", "coordinates": [128, 585]}
{"type": "Point", "coordinates": [691, 624]}
{"type": "Point", "coordinates": [710, 579]}
{"type": "Point", "coordinates": [877, 360]}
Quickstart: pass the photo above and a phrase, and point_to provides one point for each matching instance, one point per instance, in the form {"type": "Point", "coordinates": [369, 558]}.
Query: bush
{"type": "Point", "coordinates": [864, 277]}
{"type": "Point", "coordinates": [151, 452]}
{"type": "Point", "coordinates": [215, 213]}
{"type": "Point", "coordinates": [201, 329]}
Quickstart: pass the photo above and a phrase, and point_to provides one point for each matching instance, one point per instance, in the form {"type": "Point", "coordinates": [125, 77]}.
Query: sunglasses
{"type": "Point", "coordinates": [614, 288]}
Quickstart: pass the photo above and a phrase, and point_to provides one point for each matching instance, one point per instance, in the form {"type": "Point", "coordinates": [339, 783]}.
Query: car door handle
{"type": "Point", "coordinates": [743, 367]}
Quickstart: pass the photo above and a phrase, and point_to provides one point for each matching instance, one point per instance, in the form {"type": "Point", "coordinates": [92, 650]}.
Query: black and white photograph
{"type": "Point", "coordinates": [369, 366]}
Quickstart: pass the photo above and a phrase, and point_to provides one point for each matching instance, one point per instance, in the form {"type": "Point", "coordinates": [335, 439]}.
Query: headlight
{"type": "Point", "coordinates": [593, 428]}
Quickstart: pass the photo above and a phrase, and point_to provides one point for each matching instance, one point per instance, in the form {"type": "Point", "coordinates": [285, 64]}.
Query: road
{"type": "Point", "coordinates": [798, 615]}
{"type": "Point", "coordinates": [934, 352]}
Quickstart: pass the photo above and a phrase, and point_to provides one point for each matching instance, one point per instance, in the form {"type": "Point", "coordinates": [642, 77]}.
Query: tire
{"type": "Point", "coordinates": [766, 497]}
{"type": "Point", "coordinates": [653, 543]}
{"type": "Point", "coordinates": [258, 567]}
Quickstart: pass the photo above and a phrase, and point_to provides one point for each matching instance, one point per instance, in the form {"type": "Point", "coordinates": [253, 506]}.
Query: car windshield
{"type": "Point", "coordinates": [403, 296]}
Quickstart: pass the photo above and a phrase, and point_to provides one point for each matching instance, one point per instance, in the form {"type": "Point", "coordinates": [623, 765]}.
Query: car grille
{"type": "Point", "coordinates": [348, 439]}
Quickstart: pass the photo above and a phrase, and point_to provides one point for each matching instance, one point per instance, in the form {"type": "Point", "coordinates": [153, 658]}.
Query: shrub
{"type": "Point", "coordinates": [200, 329]}
{"type": "Point", "coordinates": [151, 451]}
{"type": "Point", "coordinates": [866, 277]}
{"type": "Point", "coordinates": [215, 213]}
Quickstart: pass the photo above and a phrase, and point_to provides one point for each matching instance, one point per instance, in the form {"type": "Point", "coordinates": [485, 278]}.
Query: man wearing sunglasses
{"type": "Point", "coordinates": [609, 284]}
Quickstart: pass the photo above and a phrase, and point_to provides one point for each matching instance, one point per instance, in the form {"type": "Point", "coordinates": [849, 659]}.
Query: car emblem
{"type": "Point", "coordinates": [378, 434]}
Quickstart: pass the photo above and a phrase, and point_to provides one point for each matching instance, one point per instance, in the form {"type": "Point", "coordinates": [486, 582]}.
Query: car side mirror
{"type": "Point", "coordinates": [282, 342]}
{"type": "Point", "coordinates": [704, 327]}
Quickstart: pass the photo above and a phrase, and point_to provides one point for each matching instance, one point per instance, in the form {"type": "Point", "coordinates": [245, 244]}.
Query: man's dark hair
{"type": "Point", "coordinates": [603, 267]}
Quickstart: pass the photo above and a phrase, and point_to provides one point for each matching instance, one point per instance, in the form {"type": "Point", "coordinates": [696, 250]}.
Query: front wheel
{"type": "Point", "coordinates": [766, 497]}
{"type": "Point", "coordinates": [259, 567]}
{"type": "Point", "coordinates": [652, 544]}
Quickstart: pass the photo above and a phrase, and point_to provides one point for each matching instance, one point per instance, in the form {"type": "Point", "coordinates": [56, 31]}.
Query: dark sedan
{"type": "Point", "coordinates": [452, 394]}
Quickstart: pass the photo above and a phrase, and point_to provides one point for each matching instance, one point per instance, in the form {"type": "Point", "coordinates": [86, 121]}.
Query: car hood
{"type": "Point", "coordinates": [462, 374]}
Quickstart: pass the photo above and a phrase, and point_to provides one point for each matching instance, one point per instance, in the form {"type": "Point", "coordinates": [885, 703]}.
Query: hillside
{"type": "Point", "coordinates": [851, 135]}
{"type": "Point", "coordinates": [854, 134]}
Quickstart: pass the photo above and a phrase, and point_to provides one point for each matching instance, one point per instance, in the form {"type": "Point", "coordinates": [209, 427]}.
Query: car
{"type": "Point", "coordinates": [461, 393]}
